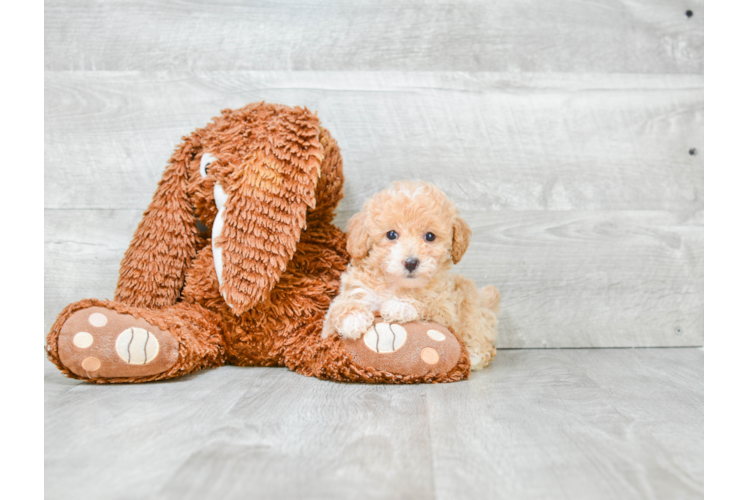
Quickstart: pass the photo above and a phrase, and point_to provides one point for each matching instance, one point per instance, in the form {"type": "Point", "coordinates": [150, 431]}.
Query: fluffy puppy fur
{"type": "Point", "coordinates": [412, 220]}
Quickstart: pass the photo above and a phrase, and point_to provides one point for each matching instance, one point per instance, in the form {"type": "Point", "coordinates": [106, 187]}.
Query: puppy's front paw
{"type": "Point", "coordinates": [397, 311]}
{"type": "Point", "coordinates": [354, 324]}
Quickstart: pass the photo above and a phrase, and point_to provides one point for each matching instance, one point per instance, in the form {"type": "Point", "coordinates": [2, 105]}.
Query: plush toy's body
{"type": "Point", "coordinates": [265, 179]}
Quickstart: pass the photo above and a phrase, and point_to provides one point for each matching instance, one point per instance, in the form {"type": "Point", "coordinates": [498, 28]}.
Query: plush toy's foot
{"type": "Point", "coordinates": [96, 342]}
{"type": "Point", "coordinates": [409, 353]}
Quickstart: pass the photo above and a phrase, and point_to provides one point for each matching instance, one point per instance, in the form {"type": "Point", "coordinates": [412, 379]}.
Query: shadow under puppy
{"type": "Point", "coordinates": [402, 245]}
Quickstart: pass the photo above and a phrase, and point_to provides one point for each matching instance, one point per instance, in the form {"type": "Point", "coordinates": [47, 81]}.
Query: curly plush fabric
{"type": "Point", "coordinates": [282, 176]}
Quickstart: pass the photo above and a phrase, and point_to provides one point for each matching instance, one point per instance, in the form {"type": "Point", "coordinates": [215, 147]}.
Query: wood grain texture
{"type": "Point", "coordinates": [586, 206]}
{"type": "Point", "coordinates": [561, 130]}
{"type": "Point", "coordinates": [491, 141]}
{"type": "Point", "coordinates": [567, 278]}
{"type": "Point", "coordinates": [624, 36]}
{"type": "Point", "coordinates": [543, 424]}
{"type": "Point", "coordinates": [82, 254]}
{"type": "Point", "coordinates": [624, 423]}
{"type": "Point", "coordinates": [592, 279]}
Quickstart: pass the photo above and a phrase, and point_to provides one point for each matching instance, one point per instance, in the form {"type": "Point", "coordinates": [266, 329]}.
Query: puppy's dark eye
{"type": "Point", "coordinates": [392, 235]}
{"type": "Point", "coordinates": [430, 237]}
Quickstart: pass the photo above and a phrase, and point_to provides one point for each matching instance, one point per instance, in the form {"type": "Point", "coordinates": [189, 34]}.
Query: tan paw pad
{"type": "Point", "coordinates": [91, 364]}
{"type": "Point", "coordinates": [429, 355]}
{"type": "Point", "coordinates": [436, 335]}
{"type": "Point", "coordinates": [97, 319]}
{"type": "Point", "coordinates": [83, 340]}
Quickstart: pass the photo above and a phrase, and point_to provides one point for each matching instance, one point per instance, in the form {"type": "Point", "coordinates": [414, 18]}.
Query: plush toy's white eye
{"type": "Point", "coordinates": [206, 160]}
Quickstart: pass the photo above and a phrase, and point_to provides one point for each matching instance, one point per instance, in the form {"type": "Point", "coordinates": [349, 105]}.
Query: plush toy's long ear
{"type": "Point", "coordinates": [152, 271]}
{"type": "Point", "coordinates": [267, 198]}
{"type": "Point", "coordinates": [358, 236]}
{"type": "Point", "coordinates": [461, 234]}
{"type": "Point", "coordinates": [330, 186]}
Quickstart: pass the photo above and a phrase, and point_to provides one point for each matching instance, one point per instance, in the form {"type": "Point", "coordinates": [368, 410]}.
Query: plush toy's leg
{"type": "Point", "coordinates": [408, 353]}
{"type": "Point", "coordinates": [110, 342]}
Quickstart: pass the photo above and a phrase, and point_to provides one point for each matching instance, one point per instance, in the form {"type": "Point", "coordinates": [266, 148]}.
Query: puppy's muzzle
{"type": "Point", "coordinates": [411, 263]}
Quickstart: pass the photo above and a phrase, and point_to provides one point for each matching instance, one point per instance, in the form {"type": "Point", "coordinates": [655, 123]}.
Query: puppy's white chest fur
{"type": "Point", "coordinates": [398, 311]}
{"type": "Point", "coordinates": [391, 308]}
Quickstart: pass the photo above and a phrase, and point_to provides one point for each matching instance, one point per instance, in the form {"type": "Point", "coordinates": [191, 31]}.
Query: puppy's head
{"type": "Point", "coordinates": [409, 234]}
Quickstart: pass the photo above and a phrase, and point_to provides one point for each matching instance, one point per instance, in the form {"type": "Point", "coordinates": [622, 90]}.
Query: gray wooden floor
{"type": "Point", "coordinates": [577, 424]}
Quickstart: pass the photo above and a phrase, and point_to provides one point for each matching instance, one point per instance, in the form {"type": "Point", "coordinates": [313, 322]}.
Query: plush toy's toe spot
{"type": "Point", "coordinates": [91, 364]}
{"type": "Point", "coordinates": [430, 356]}
{"type": "Point", "coordinates": [83, 340]}
{"type": "Point", "coordinates": [436, 335]}
{"type": "Point", "coordinates": [97, 319]}
{"type": "Point", "coordinates": [137, 346]}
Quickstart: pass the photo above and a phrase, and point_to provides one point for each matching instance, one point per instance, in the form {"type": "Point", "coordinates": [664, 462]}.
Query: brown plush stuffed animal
{"type": "Point", "coordinates": [265, 180]}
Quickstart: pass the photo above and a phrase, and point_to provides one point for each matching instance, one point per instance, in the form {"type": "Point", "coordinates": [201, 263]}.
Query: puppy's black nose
{"type": "Point", "coordinates": [411, 263]}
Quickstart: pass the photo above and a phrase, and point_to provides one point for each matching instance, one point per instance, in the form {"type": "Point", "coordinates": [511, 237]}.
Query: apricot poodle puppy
{"type": "Point", "coordinates": [402, 245]}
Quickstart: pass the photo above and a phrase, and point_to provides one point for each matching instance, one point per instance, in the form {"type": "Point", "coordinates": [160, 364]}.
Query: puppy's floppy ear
{"type": "Point", "coordinates": [358, 236]}
{"type": "Point", "coordinates": [461, 234]}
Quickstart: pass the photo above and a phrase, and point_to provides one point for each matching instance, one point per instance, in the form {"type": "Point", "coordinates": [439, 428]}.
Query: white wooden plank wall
{"type": "Point", "coordinates": [591, 36]}
{"type": "Point", "coordinates": [562, 129]}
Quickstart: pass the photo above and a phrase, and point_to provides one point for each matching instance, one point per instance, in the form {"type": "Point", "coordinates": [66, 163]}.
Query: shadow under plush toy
{"type": "Point", "coordinates": [265, 180]}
